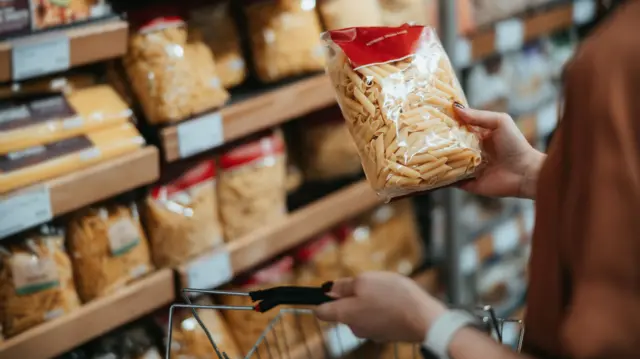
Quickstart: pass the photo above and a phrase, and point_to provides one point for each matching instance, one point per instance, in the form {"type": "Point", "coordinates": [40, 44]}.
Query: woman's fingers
{"type": "Point", "coordinates": [338, 311]}
{"type": "Point", "coordinates": [484, 119]}
{"type": "Point", "coordinates": [342, 288]}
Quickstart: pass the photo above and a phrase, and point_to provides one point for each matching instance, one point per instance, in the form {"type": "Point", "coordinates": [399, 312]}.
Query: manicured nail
{"type": "Point", "coordinates": [326, 287]}
{"type": "Point", "coordinates": [458, 105]}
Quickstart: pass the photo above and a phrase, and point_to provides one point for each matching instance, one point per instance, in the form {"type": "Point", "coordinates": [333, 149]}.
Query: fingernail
{"type": "Point", "coordinates": [326, 287]}
{"type": "Point", "coordinates": [458, 105]}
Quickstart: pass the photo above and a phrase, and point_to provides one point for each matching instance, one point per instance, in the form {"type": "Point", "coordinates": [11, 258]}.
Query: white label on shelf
{"type": "Point", "coordinates": [469, 259]}
{"type": "Point", "coordinates": [24, 209]}
{"type": "Point", "coordinates": [39, 56]}
{"type": "Point", "coordinates": [529, 216]}
{"type": "Point", "coordinates": [509, 35]}
{"type": "Point", "coordinates": [583, 11]}
{"type": "Point", "coordinates": [200, 134]}
{"type": "Point", "coordinates": [210, 271]}
{"type": "Point", "coordinates": [547, 119]}
{"type": "Point", "coordinates": [506, 237]}
{"type": "Point", "coordinates": [438, 231]}
{"type": "Point", "coordinates": [341, 341]}
{"type": "Point", "coordinates": [463, 53]}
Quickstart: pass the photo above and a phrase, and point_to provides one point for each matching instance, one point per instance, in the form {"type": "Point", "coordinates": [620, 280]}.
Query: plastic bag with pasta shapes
{"type": "Point", "coordinates": [182, 216]}
{"type": "Point", "coordinates": [172, 72]}
{"type": "Point", "coordinates": [108, 249]}
{"type": "Point", "coordinates": [36, 282]}
{"type": "Point", "coordinates": [285, 38]}
{"type": "Point", "coordinates": [252, 185]}
{"type": "Point", "coordinates": [396, 88]}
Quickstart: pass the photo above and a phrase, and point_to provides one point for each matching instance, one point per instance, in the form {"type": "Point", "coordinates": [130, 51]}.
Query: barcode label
{"type": "Point", "coordinates": [200, 134]}
{"type": "Point", "coordinates": [341, 341]}
{"type": "Point", "coordinates": [24, 209]}
{"type": "Point", "coordinates": [210, 271]}
{"type": "Point", "coordinates": [40, 56]}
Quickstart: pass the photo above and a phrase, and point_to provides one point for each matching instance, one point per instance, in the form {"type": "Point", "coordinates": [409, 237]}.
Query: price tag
{"type": "Point", "coordinates": [509, 35]}
{"type": "Point", "coordinates": [469, 259]}
{"type": "Point", "coordinates": [210, 271]}
{"type": "Point", "coordinates": [24, 209]}
{"type": "Point", "coordinates": [341, 341]}
{"type": "Point", "coordinates": [583, 11]}
{"type": "Point", "coordinates": [39, 56]}
{"type": "Point", "coordinates": [547, 119]}
{"type": "Point", "coordinates": [463, 56]}
{"type": "Point", "coordinates": [200, 134]}
{"type": "Point", "coordinates": [506, 237]}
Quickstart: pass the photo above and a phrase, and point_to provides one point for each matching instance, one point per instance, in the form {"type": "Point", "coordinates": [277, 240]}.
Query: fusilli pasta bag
{"type": "Point", "coordinates": [396, 88]}
{"type": "Point", "coordinates": [182, 216]}
{"type": "Point", "coordinates": [36, 282]}
{"type": "Point", "coordinates": [108, 249]}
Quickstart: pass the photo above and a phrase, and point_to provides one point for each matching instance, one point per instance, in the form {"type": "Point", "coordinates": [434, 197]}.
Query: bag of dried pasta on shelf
{"type": "Point", "coordinates": [328, 151]}
{"type": "Point", "coordinates": [108, 249]}
{"type": "Point", "coordinates": [172, 71]}
{"type": "Point", "coordinates": [398, 12]}
{"type": "Point", "coordinates": [339, 14]}
{"type": "Point", "coordinates": [190, 340]}
{"type": "Point", "coordinates": [285, 38]}
{"type": "Point", "coordinates": [319, 261]}
{"type": "Point", "coordinates": [358, 251]}
{"type": "Point", "coordinates": [36, 281]}
{"type": "Point", "coordinates": [252, 185]}
{"type": "Point", "coordinates": [396, 88]}
{"type": "Point", "coordinates": [220, 33]}
{"type": "Point", "coordinates": [181, 216]}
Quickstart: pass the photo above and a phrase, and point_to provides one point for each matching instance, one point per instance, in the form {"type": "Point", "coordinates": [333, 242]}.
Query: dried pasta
{"type": "Point", "coordinates": [36, 282]}
{"type": "Point", "coordinates": [108, 249]}
{"type": "Point", "coordinates": [396, 88]}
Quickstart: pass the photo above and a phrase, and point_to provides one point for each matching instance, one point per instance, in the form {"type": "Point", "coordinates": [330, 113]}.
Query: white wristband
{"type": "Point", "coordinates": [444, 328]}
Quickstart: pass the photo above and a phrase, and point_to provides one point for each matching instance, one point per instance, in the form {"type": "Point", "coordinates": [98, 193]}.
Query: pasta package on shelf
{"type": "Point", "coordinates": [48, 85]}
{"type": "Point", "coordinates": [220, 33]}
{"type": "Point", "coordinates": [252, 185]}
{"type": "Point", "coordinates": [172, 71]}
{"type": "Point", "coordinates": [182, 216]}
{"type": "Point", "coordinates": [319, 261]}
{"type": "Point", "coordinates": [247, 326]}
{"type": "Point", "coordinates": [108, 249]}
{"type": "Point", "coordinates": [190, 340]}
{"type": "Point", "coordinates": [36, 281]}
{"type": "Point", "coordinates": [328, 151]}
{"type": "Point", "coordinates": [134, 342]}
{"type": "Point", "coordinates": [396, 88]}
{"type": "Point", "coordinates": [285, 38]}
{"type": "Point", "coordinates": [358, 251]}
{"type": "Point", "coordinates": [34, 164]}
{"type": "Point", "coordinates": [41, 120]}
{"type": "Point", "coordinates": [398, 12]}
{"type": "Point", "coordinates": [339, 14]}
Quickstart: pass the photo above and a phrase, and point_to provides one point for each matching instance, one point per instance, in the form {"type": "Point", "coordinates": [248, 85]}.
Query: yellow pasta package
{"type": "Point", "coordinates": [396, 88]}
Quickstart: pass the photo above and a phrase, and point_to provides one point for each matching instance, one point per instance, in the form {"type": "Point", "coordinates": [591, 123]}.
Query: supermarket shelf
{"type": "Point", "coordinates": [88, 43]}
{"type": "Point", "coordinates": [90, 185]}
{"type": "Point", "coordinates": [93, 319]}
{"type": "Point", "coordinates": [257, 113]}
{"type": "Point", "coordinates": [266, 243]}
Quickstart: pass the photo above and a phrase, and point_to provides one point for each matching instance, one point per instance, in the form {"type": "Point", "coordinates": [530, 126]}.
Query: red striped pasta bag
{"type": "Point", "coordinates": [396, 88]}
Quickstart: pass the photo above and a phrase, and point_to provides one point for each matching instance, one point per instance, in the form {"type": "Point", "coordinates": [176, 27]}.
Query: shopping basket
{"type": "Point", "coordinates": [297, 334]}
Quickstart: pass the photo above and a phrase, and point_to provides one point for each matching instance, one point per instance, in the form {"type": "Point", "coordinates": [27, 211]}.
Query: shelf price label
{"type": "Point", "coordinates": [341, 341]}
{"type": "Point", "coordinates": [24, 209]}
{"type": "Point", "coordinates": [469, 259]}
{"type": "Point", "coordinates": [583, 11]}
{"type": "Point", "coordinates": [210, 271]}
{"type": "Point", "coordinates": [200, 134]}
{"type": "Point", "coordinates": [506, 237]}
{"type": "Point", "coordinates": [509, 35]}
{"type": "Point", "coordinates": [40, 55]}
{"type": "Point", "coordinates": [463, 55]}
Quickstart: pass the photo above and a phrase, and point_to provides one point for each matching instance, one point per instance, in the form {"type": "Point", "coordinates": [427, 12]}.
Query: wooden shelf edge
{"type": "Point", "coordinates": [93, 319]}
{"type": "Point", "coordinates": [262, 112]}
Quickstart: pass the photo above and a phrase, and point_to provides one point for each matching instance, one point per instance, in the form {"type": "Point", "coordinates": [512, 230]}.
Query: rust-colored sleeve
{"type": "Point", "coordinates": [602, 204]}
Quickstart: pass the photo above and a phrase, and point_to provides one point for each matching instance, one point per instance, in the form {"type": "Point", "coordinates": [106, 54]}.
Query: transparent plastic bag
{"type": "Point", "coordinates": [339, 14]}
{"type": "Point", "coordinates": [36, 281]}
{"type": "Point", "coordinates": [252, 185]}
{"type": "Point", "coordinates": [172, 72]}
{"type": "Point", "coordinates": [285, 39]}
{"type": "Point", "coordinates": [396, 88]}
{"type": "Point", "coordinates": [221, 35]}
{"type": "Point", "coordinates": [109, 249]}
{"type": "Point", "coordinates": [182, 216]}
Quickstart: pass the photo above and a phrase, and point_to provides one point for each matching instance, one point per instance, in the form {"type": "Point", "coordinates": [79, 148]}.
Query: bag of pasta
{"type": "Point", "coordinates": [358, 251]}
{"type": "Point", "coordinates": [319, 261]}
{"type": "Point", "coordinates": [285, 38]}
{"type": "Point", "coordinates": [108, 249]}
{"type": "Point", "coordinates": [182, 216]}
{"type": "Point", "coordinates": [328, 151]}
{"type": "Point", "coordinates": [219, 32]}
{"type": "Point", "coordinates": [398, 12]}
{"type": "Point", "coordinates": [172, 72]}
{"type": "Point", "coordinates": [36, 282]}
{"type": "Point", "coordinates": [338, 14]}
{"type": "Point", "coordinates": [252, 185]}
{"type": "Point", "coordinates": [396, 88]}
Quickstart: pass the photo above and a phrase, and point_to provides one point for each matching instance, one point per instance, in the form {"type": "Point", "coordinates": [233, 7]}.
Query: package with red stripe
{"type": "Point", "coordinates": [396, 88]}
{"type": "Point", "coordinates": [171, 70]}
{"type": "Point", "coordinates": [252, 185]}
{"type": "Point", "coordinates": [182, 215]}
{"type": "Point", "coordinates": [318, 261]}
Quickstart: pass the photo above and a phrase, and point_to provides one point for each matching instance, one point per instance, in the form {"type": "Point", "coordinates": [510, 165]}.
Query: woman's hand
{"type": "Point", "coordinates": [383, 307]}
{"type": "Point", "coordinates": [513, 164]}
